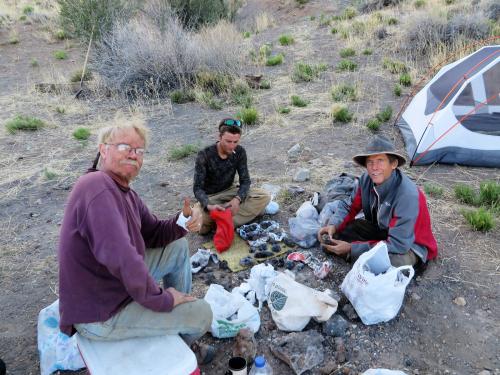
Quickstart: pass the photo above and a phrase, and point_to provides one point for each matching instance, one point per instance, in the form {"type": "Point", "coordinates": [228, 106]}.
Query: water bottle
{"type": "Point", "coordinates": [261, 367]}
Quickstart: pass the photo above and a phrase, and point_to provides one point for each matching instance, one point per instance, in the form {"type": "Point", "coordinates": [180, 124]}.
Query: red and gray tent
{"type": "Point", "coordinates": [455, 118]}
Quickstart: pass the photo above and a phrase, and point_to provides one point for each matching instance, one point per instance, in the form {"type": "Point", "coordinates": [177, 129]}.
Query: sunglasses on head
{"type": "Point", "coordinates": [231, 122]}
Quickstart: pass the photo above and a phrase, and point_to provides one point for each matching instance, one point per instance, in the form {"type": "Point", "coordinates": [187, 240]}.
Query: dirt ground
{"type": "Point", "coordinates": [431, 335]}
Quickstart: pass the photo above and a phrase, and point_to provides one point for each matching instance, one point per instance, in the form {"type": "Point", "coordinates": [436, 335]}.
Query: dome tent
{"type": "Point", "coordinates": [455, 118]}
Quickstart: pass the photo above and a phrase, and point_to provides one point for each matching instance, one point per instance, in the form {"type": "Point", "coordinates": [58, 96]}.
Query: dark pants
{"type": "Point", "coordinates": [364, 230]}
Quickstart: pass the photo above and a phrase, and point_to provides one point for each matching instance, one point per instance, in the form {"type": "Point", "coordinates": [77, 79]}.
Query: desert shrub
{"type": "Point", "coordinates": [344, 92]}
{"type": "Point", "coordinates": [480, 219]}
{"type": "Point", "coordinates": [60, 34]}
{"type": "Point", "coordinates": [241, 94]}
{"type": "Point", "coordinates": [347, 65]}
{"type": "Point", "coordinates": [265, 85]}
{"type": "Point", "coordinates": [349, 13]}
{"type": "Point", "coordinates": [324, 20]}
{"type": "Point", "coordinates": [419, 4]}
{"type": "Point", "coordinates": [246, 34]}
{"type": "Point", "coordinates": [367, 51]}
{"type": "Point", "coordinates": [397, 90]}
{"type": "Point", "coordinates": [60, 55]}
{"type": "Point", "coordinates": [449, 2]}
{"type": "Point", "coordinates": [77, 76]}
{"type": "Point", "coordinates": [265, 50]}
{"type": "Point", "coordinates": [248, 116]}
{"type": "Point", "coordinates": [23, 17]}
{"type": "Point", "coordinates": [373, 124]}
{"type": "Point", "coordinates": [340, 113]}
{"type": "Point", "coordinates": [334, 30]}
{"type": "Point", "coordinates": [81, 134]}
{"type": "Point", "coordinates": [139, 54]}
{"type": "Point", "coordinates": [197, 13]}
{"type": "Point", "coordinates": [275, 60]}
{"type": "Point", "coordinates": [208, 99]}
{"type": "Point", "coordinates": [367, 6]}
{"type": "Point", "coordinates": [302, 2]}
{"type": "Point", "coordinates": [297, 101]}
{"type": "Point", "coordinates": [34, 63]}
{"type": "Point", "coordinates": [385, 115]}
{"type": "Point", "coordinates": [213, 81]}
{"type": "Point", "coordinates": [79, 17]}
{"type": "Point", "coordinates": [20, 122]}
{"type": "Point", "coordinates": [347, 52]}
{"type": "Point", "coordinates": [392, 21]}
{"type": "Point", "coordinates": [182, 96]}
{"type": "Point", "coordinates": [286, 40]}
{"type": "Point", "coordinates": [465, 194]}
{"type": "Point", "coordinates": [394, 66]}
{"type": "Point", "coordinates": [433, 190]}
{"type": "Point", "coordinates": [423, 32]}
{"type": "Point", "coordinates": [49, 174]}
{"type": "Point", "coordinates": [284, 110]}
{"type": "Point", "coordinates": [28, 9]}
{"type": "Point", "coordinates": [60, 110]}
{"type": "Point", "coordinates": [489, 194]}
{"type": "Point", "coordinates": [306, 72]}
{"type": "Point", "coordinates": [13, 39]}
{"type": "Point", "coordinates": [405, 79]}
{"type": "Point", "coordinates": [181, 152]}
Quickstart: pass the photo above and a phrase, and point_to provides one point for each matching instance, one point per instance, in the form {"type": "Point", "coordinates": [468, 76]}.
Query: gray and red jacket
{"type": "Point", "coordinates": [402, 211]}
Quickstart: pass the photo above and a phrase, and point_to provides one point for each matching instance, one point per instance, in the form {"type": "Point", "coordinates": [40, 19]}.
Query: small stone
{"type": "Point", "coordinates": [416, 297]}
{"type": "Point", "coordinates": [295, 151]}
{"type": "Point", "coordinates": [302, 174]}
{"type": "Point", "coordinates": [328, 368]}
{"type": "Point", "coordinates": [460, 301]}
{"type": "Point", "coordinates": [289, 264]}
{"type": "Point", "coordinates": [295, 190]}
{"type": "Point", "coordinates": [350, 312]}
{"type": "Point", "coordinates": [336, 326]}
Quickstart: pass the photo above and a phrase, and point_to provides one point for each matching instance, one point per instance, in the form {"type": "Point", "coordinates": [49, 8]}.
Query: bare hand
{"type": "Point", "coordinates": [194, 224]}
{"type": "Point", "coordinates": [338, 247]}
{"type": "Point", "coordinates": [218, 207]}
{"type": "Point", "coordinates": [234, 205]}
{"type": "Point", "coordinates": [180, 297]}
{"type": "Point", "coordinates": [186, 208]}
{"type": "Point", "coordinates": [329, 229]}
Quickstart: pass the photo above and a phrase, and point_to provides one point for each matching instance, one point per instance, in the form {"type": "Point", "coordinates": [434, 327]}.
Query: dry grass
{"type": "Point", "coordinates": [263, 21]}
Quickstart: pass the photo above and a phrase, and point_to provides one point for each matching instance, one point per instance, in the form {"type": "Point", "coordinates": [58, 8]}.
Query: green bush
{"type": "Point", "coordinates": [49, 174]}
{"type": "Point", "coordinates": [13, 39]}
{"type": "Point", "coordinates": [275, 60]}
{"type": "Point", "coordinates": [248, 116]}
{"type": "Point", "coordinates": [367, 51]}
{"type": "Point", "coordinates": [286, 40]}
{"type": "Point", "coordinates": [81, 134]}
{"type": "Point", "coordinates": [297, 101]}
{"type": "Point", "coordinates": [347, 52]}
{"type": "Point", "coordinates": [385, 115]}
{"type": "Point", "coordinates": [324, 20]}
{"type": "Point", "coordinates": [182, 96]}
{"type": "Point", "coordinates": [302, 2]}
{"type": "Point", "coordinates": [405, 79]}
{"type": "Point", "coordinates": [34, 63]}
{"type": "Point", "coordinates": [77, 76]}
{"type": "Point", "coordinates": [465, 194]}
{"type": "Point", "coordinates": [60, 110]}
{"type": "Point", "coordinates": [209, 99]}
{"type": "Point", "coordinates": [213, 81]}
{"type": "Point", "coordinates": [28, 9]}
{"type": "Point", "coordinates": [373, 124]}
{"type": "Point", "coordinates": [433, 190]}
{"type": "Point", "coordinates": [241, 94]}
{"type": "Point", "coordinates": [347, 65]}
{"type": "Point", "coordinates": [419, 4]}
{"type": "Point", "coordinates": [306, 72]}
{"type": "Point", "coordinates": [334, 30]}
{"type": "Point", "coordinates": [340, 113]}
{"type": "Point", "coordinates": [392, 21]}
{"type": "Point", "coordinates": [349, 13]}
{"type": "Point", "coordinates": [398, 90]}
{"type": "Point", "coordinates": [265, 85]}
{"type": "Point", "coordinates": [489, 194]}
{"type": "Point", "coordinates": [449, 2]}
{"type": "Point", "coordinates": [284, 110]}
{"type": "Point", "coordinates": [246, 34]}
{"type": "Point", "coordinates": [60, 55]}
{"type": "Point", "coordinates": [60, 34]}
{"type": "Point", "coordinates": [197, 13]}
{"type": "Point", "coordinates": [394, 66]}
{"type": "Point", "coordinates": [79, 17]}
{"type": "Point", "coordinates": [265, 50]}
{"type": "Point", "coordinates": [20, 122]}
{"type": "Point", "coordinates": [23, 18]}
{"type": "Point", "coordinates": [183, 151]}
{"type": "Point", "coordinates": [480, 219]}
{"type": "Point", "coordinates": [344, 92]}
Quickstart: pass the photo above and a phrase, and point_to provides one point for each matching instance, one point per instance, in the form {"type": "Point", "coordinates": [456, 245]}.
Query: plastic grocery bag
{"type": "Point", "coordinates": [231, 312]}
{"type": "Point", "coordinates": [261, 277]}
{"type": "Point", "coordinates": [57, 350]}
{"type": "Point", "coordinates": [375, 288]}
{"type": "Point", "coordinates": [293, 304]}
{"type": "Point", "coordinates": [304, 231]}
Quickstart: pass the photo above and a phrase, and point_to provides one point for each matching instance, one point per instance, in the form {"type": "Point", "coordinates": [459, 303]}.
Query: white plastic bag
{"type": "Point", "coordinates": [293, 304]}
{"type": "Point", "coordinates": [374, 287]}
{"type": "Point", "coordinates": [307, 211]}
{"type": "Point", "coordinates": [57, 350]}
{"type": "Point", "coordinates": [260, 280]}
{"type": "Point", "coordinates": [231, 312]}
{"type": "Point", "coordinates": [304, 231]}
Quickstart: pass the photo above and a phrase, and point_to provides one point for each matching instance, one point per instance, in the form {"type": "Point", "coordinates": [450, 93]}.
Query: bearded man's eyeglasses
{"type": "Point", "coordinates": [124, 147]}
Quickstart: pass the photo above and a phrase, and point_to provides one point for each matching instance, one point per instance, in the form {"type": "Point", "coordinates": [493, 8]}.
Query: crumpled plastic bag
{"type": "Point", "coordinates": [57, 350]}
{"type": "Point", "coordinates": [261, 277]}
{"type": "Point", "coordinates": [200, 259]}
{"type": "Point", "coordinates": [231, 312]}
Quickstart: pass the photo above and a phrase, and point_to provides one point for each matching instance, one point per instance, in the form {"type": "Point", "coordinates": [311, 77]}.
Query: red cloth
{"type": "Point", "coordinates": [224, 233]}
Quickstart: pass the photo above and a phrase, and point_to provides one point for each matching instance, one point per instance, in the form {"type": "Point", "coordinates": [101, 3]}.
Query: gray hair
{"type": "Point", "coordinates": [120, 123]}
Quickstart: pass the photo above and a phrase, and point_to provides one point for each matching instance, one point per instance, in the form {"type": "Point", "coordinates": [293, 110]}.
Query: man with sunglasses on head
{"type": "Point", "coordinates": [214, 187]}
{"type": "Point", "coordinates": [113, 251]}
{"type": "Point", "coordinates": [395, 211]}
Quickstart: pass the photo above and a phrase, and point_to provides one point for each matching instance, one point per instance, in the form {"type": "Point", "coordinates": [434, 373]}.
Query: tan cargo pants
{"type": "Point", "coordinates": [253, 206]}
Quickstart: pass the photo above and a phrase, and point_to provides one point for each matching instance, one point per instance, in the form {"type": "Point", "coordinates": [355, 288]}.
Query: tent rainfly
{"type": "Point", "coordinates": [455, 118]}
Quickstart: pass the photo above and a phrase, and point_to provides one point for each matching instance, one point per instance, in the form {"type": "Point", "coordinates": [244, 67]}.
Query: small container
{"type": "Point", "coordinates": [261, 367]}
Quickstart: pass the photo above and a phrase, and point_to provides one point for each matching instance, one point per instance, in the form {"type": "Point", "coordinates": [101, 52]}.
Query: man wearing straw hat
{"type": "Point", "coordinates": [395, 211]}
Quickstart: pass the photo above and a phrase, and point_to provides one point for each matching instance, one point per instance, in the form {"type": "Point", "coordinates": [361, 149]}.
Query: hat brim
{"type": "Point", "coordinates": [360, 159]}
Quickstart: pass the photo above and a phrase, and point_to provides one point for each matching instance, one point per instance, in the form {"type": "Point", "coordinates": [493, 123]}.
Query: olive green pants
{"type": "Point", "coordinates": [253, 206]}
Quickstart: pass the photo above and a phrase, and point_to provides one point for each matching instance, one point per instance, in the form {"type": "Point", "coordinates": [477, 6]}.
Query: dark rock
{"type": "Point", "coordinates": [223, 265]}
{"type": "Point", "coordinates": [263, 254]}
{"type": "Point", "coordinates": [300, 266]}
{"type": "Point", "coordinates": [328, 368]}
{"type": "Point", "coordinates": [289, 242]}
{"type": "Point", "coordinates": [289, 264]}
{"type": "Point", "coordinates": [301, 351]}
{"type": "Point", "coordinates": [350, 312]}
{"type": "Point", "coordinates": [336, 326]}
{"type": "Point", "coordinates": [276, 248]}
{"type": "Point", "coordinates": [382, 33]}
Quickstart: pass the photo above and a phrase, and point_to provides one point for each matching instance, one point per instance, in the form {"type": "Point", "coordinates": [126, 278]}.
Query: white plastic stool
{"type": "Point", "coordinates": [160, 355]}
